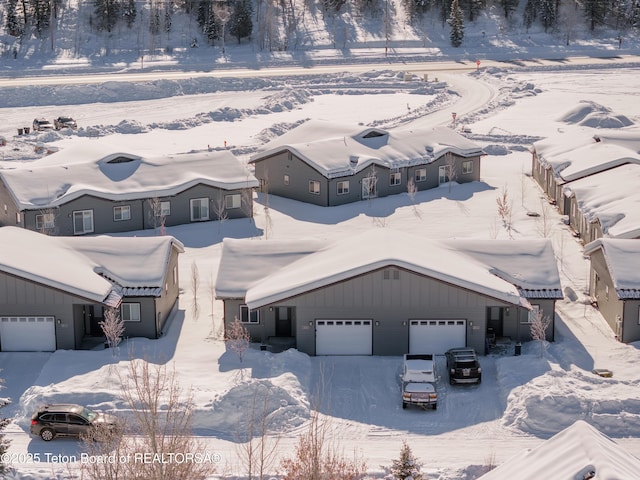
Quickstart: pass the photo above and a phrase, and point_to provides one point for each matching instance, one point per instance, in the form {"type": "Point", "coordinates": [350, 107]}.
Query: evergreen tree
{"type": "Point", "coordinates": [508, 6]}
{"type": "Point", "coordinates": [548, 14]}
{"type": "Point", "coordinates": [14, 26]}
{"type": "Point", "coordinates": [456, 22]}
{"type": "Point", "coordinates": [107, 12]}
{"type": "Point", "coordinates": [167, 19]}
{"type": "Point", "coordinates": [407, 465]}
{"type": "Point", "coordinates": [154, 21]}
{"type": "Point", "coordinates": [530, 13]}
{"type": "Point", "coordinates": [595, 11]}
{"type": "Point", "coordinates": [41, 15]}
{"type": "Point", "coordinates": [204, 12]}
{"type": "Point", "coordinates": [129, 12]}
{"type": "Point", "coordinates": [4, 443]}
{"type": "Point", "coordinates": [241, 25]}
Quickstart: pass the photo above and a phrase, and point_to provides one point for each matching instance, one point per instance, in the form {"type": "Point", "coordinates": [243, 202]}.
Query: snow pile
{"type": "Point", "coordinates": [591, 114]}
{"type": "Point", "coordinates": [557, 398]}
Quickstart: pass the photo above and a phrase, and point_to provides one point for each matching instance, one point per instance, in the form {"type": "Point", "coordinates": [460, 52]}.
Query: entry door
{"type": "Point", "coordinates": [283, 321]}
{"type": "Point", "coordinates": [494, 321]}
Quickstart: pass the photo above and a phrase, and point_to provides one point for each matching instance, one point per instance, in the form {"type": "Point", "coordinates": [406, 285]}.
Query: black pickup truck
{"type": "Point", "coordinates": [463, 366]}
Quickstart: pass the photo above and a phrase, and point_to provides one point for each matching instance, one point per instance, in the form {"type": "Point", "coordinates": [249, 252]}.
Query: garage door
{"type": "Point", "coordinates": [27, 334]}
{"type": "Point", "coordinates": [344, 337]}
{"type": "Point", "coordinates": [436, 336]}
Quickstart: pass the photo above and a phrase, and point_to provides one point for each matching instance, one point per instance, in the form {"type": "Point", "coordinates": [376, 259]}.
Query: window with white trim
{"type": "Point", "coordinates": [82, 222]}
{"type": "Point", "coordinates": [314, 187]}
{"type": "Point", "coordinates": [343, 187]}
{"type": "Point", "coordinates": [467, 167]}
{"type": "Point", "coordinates": [122, 212]}
{"type": "Point", "coordinates": [249, 316]}
{"type": "Point", "coordinates": [533, 314]}
{"type": "Point", "coordinates": [130, 312]}
{"type": "Point", "coordinates": [421, 175]}
{"type": "Point", "coordinates": [232, 201]}
{"type": "Point", "coordinates": [199, 209]}
{"type": "Point", "coordinates": [165, 208]}
{"type": "Point", "coordinates": [286, 179]}
{"type": "Point", "coordinates": [18, 218]}
{"type": "Point", "coordinates": [395, 178]}
{"type": "Point", "coordinates": [175, 274]}
{"type": "Point", "coordinates": [45, 221]}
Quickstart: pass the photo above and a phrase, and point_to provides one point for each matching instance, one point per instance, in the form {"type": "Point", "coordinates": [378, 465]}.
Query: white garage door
{"type": "Point", "coordinates": [436, 336]}
{"type": "Point", "coordinates": [27, 334]}
{"type": "Point", "coordinates": [344, 337]}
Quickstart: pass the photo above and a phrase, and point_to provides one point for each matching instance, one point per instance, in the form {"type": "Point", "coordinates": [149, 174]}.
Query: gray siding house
{"type": "Point", "coordinates": [87, 190]}
{"type": "Point", "coordinates": [54, 290]}
{"type": "Point", "coordinates": [387, 293]}
{"type": "Point", "coordinates": [615, 286]}
{"type": "Point", "coordinates": [560, 160]}
{"type": "Point", "coordinates": [328, 165]}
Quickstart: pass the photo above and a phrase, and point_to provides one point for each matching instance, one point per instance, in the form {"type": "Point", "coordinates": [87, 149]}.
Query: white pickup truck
{"type": "Point", "coordinates": [419, 381]}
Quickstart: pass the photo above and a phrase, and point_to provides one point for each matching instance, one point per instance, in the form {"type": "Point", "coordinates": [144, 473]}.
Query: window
{"type": "Point", "coordinates": [232, 201]}
{"type": "Point", "coordinates": [343, 187]}
{"type": "Point", "coordinates": [130, 312]}
{"type": "Point", "coordinates": [533, 314]}
{"type": "Point", "coordinates": [443, 176]}
{"type": "Point", "coordinates": [18, 217]}
{"type": "Point", "coordinates": [421, 175]}
{"type": "Point", "coordinates": [395, 178]}
{"type": "Point", "coordinates": [314, 187]}
{"type": "Point", "coordinates": [175, 274]}
{"type": "Point", "coordinates": [286, 179]}
{"type": "Point", "coordinates": [121, 213]}
{"type": "Point", "coordinates": [199, 209]}
{"type": "Point", "coordinates": [45, 221]}
{"type": "Point", "coordinates": [165, 209]}
{"type": "Point", "coordinates": [391, 274]}
{"type": "Point", "coordinates": [82, 222]}
{"type": "Point", "coordinates": [249, 316]}
{"type": "Point", "coordinates": [467, 167]}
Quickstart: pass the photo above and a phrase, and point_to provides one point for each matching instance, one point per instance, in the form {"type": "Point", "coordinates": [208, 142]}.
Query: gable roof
{"type": "Point", "coordinates": [100, 269]}
{"type": "Point", "coordinates": [511, 276]}
{"type": "Point", "coordinates": [335, 150]}
{"type": "Point", "coordinates": [622, 257]}
{"type": "Point", "coordinates": [612, 198]}
{"type": "Point", "coordinates": [579, 154]}
{"type": "Point", "coordinates": [90, 170]}
{"type": "Point", "coordinates": [570, 455]}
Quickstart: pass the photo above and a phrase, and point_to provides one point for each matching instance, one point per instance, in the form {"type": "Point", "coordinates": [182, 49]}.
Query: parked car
{"type": "Point", "coordinates": [419, 381]}
{"type": "Point", "coordinates": [463, 366]}
{"type": "Point", "coordinates": [40, 124]}
{"type": "Point", "coordinates": [70, 420]}
{"type": "Point", "coordinates": [65, 122]}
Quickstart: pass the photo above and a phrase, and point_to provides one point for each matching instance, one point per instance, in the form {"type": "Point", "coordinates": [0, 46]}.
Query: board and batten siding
{"type": "Point", "coordinates": [609, 305]}
{"type": "Point", "coordinates": [19, 297]}
{"type": "Point", "coordinates": [391, 304]}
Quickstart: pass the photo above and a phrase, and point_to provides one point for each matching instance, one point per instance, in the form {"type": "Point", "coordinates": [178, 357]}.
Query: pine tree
{"type": "Point", "coordinates": [407, 466]}
{"type": "Point", "coordinates": [107, 12]}
{"type": "Point", "coordinates": [4, 443]}
{"type": "Point", "coordinates": [241, 25]}
{"type": "Point", "coordinates": [456, 22]}
{"type": "Point", "coordinates": [508, 6]}
{"type": "Point", "coordinates": [595, 11]}
{"type": "Point", "coordinates": [530, 13]}
{"type": "Point", "coordinates": [129, 12]}
{"type": "Point", "coordinates": [14, 27]}
{"type": "Point", "coordinates": [42, 15]}
{"type": "Point", "coordinates": [548, 14]}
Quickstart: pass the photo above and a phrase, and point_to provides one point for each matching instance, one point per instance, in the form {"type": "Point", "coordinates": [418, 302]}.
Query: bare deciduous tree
{"type": "Point", "coordinates": [545, 225]}
{"type": "Point", "coordinates": [46, 221]}
{"type": "Point", "coordinates": [539, 325]}
{"type": "Point", "coordinates": [258, 445]}
{"type": "Point", "coordinates": [412, 189]}
{"type": "Point", "coordinates": [195, 284]}
{"type": "Point", "coordinates": [113, 328]}
{"type": "Point", "coordinates": [505, 210]}
{"type": "Point", "coordinates": [158, 217]}
{"type": "Point", "coordinates": [450, 168]}
{"type": "Point", "coordinates": [222, 10]}
{"type": "Point", "coordinates": [370, 185]}
{"type": "Point", "coordinates": [237, 338]}
{"type": "Point", "coordinates": [220, 209]}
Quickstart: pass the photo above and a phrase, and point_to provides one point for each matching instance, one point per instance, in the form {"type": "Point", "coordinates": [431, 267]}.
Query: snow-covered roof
{"type": "Point", "coordinates": [85, 170]}
{"type": "Point", "coordinates": [101, 269]}
{"type": "Point", "coordinates": [336, 150]}
{"type": "Point", "coordinates": [623, 262]}
{"type": "Point", "coordinates": [517, 268]}
{"type": "Point", "coordinates": [612, 198]}
{"type": "Point", "coordinates": [577, 155]}
{"type": "Point", "coordinates": [571, 455]}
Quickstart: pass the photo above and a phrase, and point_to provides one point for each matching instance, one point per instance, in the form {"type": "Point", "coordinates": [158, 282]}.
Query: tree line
{"type": "Point", "coordinates": [274, 24]}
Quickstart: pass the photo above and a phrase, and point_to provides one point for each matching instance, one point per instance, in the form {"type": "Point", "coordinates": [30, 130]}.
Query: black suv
{"type": "Point", "coordinates": [69, 420]}
{"type": "Point", "coordinates": [463, 366]}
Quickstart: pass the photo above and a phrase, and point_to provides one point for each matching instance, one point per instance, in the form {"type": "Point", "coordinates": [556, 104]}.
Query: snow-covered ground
{"type": "Point", "coordinates": [522, 400]}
